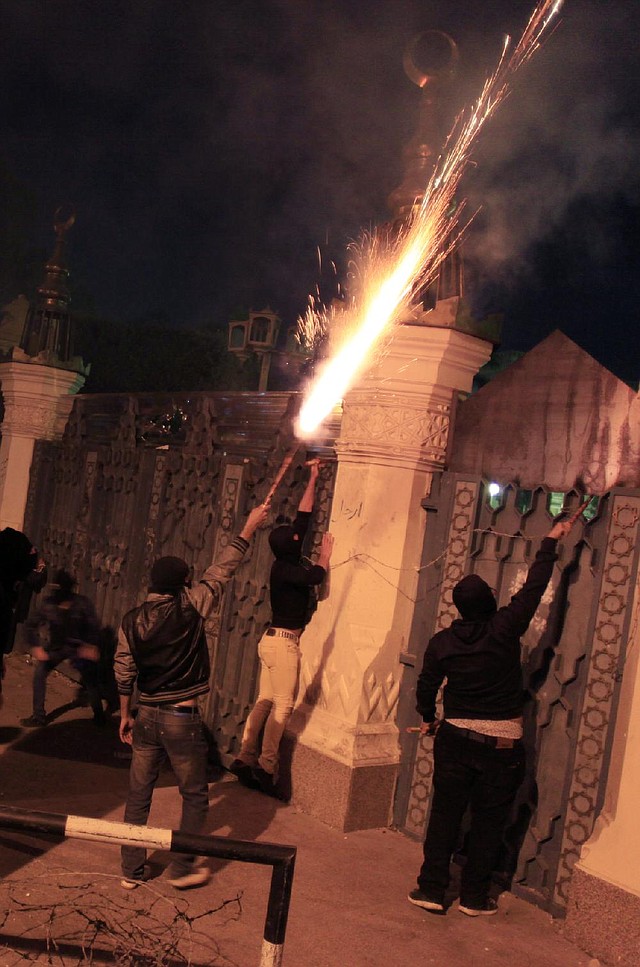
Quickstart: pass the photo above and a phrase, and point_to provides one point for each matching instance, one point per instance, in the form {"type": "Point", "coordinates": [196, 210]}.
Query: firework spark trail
{"type": "Point", "coordinates": [394, 270]}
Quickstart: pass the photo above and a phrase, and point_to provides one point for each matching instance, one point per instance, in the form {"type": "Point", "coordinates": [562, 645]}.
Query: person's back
{"type": "Point", "coordinates": [479, 756]}
{"type": "Point", "coordinates": [168, 645]}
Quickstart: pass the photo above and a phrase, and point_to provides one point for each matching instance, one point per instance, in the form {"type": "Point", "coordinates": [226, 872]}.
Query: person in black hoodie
{"type": "Point", "coordinates": [479, 758]}
{"type": "Point", "coordinates": [65, 627]}
{"type": "Point", "coordinates": [290, 584]}
{"type": "Point", "coordinates": [163, 648]}
{"type": "Point", "coordinates": [22, 571]}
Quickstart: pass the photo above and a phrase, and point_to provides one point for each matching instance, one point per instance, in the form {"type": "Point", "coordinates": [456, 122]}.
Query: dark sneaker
{"type": "Point", "coordinates": [244, 774]}
{"type": "Point", "coordinates": [265, 780]}
{"type": "Point", "coordinates": [420, 899]}
{"type": "Point", "coordinates": [198, 876]}
{"type": "Point", "coordinates": [488, 909]}
{"type": "Point", "coordinates": [34, 722]}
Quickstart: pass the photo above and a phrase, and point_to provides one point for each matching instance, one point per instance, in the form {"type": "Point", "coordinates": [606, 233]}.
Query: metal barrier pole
{"type": "Point", "coordinates": [281, 858]}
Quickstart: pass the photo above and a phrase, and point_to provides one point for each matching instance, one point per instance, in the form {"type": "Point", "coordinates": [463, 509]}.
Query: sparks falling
{"type": "Point", "coordinates": [393, 270]}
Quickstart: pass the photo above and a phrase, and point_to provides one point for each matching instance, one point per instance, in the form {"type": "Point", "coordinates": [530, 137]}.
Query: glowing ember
{"type": "Point", "coordinates": [393, 270]}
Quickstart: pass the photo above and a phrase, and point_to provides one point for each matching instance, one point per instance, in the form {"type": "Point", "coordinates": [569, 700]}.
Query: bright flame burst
{"type": "Point", "coordinates": [392, 270]}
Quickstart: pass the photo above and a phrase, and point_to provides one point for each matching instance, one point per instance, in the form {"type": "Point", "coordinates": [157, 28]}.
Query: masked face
{"type": "Point", "coordinates": [285, 543]}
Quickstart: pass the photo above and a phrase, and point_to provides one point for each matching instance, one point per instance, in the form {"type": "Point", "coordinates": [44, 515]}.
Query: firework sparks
{"type": "Point", "coordinates": [393, 270]}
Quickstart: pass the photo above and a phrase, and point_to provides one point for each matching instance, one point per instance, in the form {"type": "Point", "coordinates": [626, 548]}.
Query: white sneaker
{"type": "Point", "coordinates": [488, 909]}
{"type": "Point", "coordinates": [127, 884]}
{"type": "Point", "coordinates": [198, 876]}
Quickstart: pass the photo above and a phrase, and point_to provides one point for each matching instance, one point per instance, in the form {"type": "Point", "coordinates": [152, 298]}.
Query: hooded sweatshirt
{"type": "Point", "coordinates": [291, 581]}
{"type": "Point", "coordinates": [479, 654]}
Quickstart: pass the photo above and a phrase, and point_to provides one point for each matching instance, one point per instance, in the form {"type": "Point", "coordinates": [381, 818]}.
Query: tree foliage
{"type": "Point", "coordinates": [148, 356]}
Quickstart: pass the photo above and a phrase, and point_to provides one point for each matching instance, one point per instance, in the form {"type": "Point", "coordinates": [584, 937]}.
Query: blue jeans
{"type": "Point", "coordinates": [159, 735]}
{"type": "Point", "coordinates": [484, 779]}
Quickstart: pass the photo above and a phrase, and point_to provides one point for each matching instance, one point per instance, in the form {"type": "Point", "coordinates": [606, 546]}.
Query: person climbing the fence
{"type": "Point", "coordinates": [290, 585]}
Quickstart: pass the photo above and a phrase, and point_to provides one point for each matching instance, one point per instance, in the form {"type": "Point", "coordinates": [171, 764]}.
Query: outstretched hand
{"type": "Point", "coordinates": [326, 547]}
{"type": "Point", "coordinates": [314, 467]}
{"type": "Point", "coordinates": [560, 530]}
{"type": "Point", "coordinates": [255, 519]}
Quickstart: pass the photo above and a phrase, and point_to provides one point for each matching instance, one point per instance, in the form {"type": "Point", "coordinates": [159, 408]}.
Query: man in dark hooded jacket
{"type": "Point", "coordinates": [478, 751]}
{"type": "Point", "coordinates": [65, 627]}
{"type": "Point", "coordinates": [290, 584]}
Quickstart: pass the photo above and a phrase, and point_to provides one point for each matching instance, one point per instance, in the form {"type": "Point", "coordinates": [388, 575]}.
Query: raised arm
{"type": "Point", "coordinates": [207, 594]}
{"type": "Point", "coordinates": [306, 502]}
{"type": "Point", "coordinates": [514, 619]}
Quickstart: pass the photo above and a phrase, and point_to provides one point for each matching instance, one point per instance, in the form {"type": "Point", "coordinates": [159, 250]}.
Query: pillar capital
{"type": "Point", "coordinates": [37, 401]}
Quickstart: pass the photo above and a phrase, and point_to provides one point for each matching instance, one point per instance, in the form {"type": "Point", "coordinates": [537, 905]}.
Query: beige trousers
{"type": "Point", "coordinates": [279, 670]}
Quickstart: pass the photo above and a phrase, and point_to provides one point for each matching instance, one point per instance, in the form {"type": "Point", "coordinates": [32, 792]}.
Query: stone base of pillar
{"type": "Point", "coordinates": [603, 919]}
{"type": "Point", "coordinates": [345, 797]}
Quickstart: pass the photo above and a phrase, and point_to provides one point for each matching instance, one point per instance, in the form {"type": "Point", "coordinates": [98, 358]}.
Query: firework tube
{"type": "Point", "coordinates": [581, 509]}
{"type": "Point", "coordinates": [284, 466]}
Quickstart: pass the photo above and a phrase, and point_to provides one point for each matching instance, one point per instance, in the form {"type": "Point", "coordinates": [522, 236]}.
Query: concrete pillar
{"type": "Point", "coordinates": [394, 435]}
{"type": "Point", "coordinates": [603, 912]}
{"type": "Point", "coordinates": [37, 400]}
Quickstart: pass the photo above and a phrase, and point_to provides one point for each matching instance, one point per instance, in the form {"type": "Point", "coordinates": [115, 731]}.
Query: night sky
{"type": "Point", "coordinates": [211, 146]}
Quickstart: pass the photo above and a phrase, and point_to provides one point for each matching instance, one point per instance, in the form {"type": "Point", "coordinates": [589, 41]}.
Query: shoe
{"type": "Point", "coordinates": [198, 876]}
{"type": "Point", "coordinates": [420, 899]}
{"type": "Point", "coordinates": [132, 882]}
{"type": "Point", "coordinates": [266, 782]}
{"type": "Point", "coordinates": [488, 909]}
{"type": "Point", "coordinates": [128, 884]}
{"type": "Point", "coordinates": [34, 722]}
{"type": "Point", "coordinates": [244, 774]}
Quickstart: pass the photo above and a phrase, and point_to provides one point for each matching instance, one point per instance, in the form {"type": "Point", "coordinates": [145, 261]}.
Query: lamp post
{"type": "Point", "coordinates": [256, 335]}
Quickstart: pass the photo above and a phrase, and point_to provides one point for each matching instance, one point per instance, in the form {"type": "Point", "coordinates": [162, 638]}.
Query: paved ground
{"type": "Point", "coordinates": [65, 906]}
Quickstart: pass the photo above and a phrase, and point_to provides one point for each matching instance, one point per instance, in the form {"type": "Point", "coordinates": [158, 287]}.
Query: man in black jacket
{"type": "Point", "coordinates": [478, 751]}
{"type": "Point", "coordinates": [162, 646]}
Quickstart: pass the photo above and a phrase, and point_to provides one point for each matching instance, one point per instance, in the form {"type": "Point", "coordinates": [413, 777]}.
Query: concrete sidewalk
{"type": "Point", "coordinates": [348, 907]}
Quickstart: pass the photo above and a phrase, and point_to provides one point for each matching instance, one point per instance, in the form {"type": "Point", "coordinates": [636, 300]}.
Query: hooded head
{"type": "Point", "coordinates": [474, 598]}
{"type": "Point", "coordinates": [285, 543]}
{"type": "Point", "coordinates": [169, 575]}
{"type": "Point", "coordinates": [64, 583]}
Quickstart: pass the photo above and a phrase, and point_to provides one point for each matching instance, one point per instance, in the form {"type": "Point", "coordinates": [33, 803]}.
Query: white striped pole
{"type": "Point", "coordinates": [280, 858]}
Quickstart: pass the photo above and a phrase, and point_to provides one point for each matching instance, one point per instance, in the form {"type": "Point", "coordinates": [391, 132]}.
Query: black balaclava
{"type": "Point", "coordinates": [169, 575]}
{"type": "Point", "coordinates": [474, 598]}
{"type": "Point", "coordinates": [64, 584]}
{"type": "Point", "coordinates": [285, 543]}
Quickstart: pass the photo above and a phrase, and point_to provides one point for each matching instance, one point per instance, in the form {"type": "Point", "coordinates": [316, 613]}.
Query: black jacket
{"type": "Point", "coordinates": [481, 658]}
{"type": "Point", "coordinates": [162, 642]}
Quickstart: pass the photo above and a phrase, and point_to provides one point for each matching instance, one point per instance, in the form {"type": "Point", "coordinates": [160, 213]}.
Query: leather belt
{"type": "Point", "coordinates": [495, 741]}
{"type": "Point", "coordinates": [174, 709]}
{"type": "Point", "coordinates": [281, 633]}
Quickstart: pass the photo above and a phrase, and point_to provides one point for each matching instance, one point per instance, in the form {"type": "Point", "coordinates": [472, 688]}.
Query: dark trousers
{"type": "Point", "coordinates": [159, 735]}
{"type": "Point", "coordinates": [88, 674]}
{"type": "Point", "coordinates": [468, 774]}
